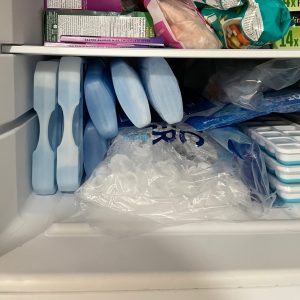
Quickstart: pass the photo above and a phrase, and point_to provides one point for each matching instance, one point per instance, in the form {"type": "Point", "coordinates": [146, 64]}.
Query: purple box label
{"type": "Point", "coordinates": [98, 5]}
{"type": "Point", "coordinates": [109, 5]}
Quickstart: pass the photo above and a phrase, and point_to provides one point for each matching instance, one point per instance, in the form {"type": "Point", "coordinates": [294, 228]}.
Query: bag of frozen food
{"type": "Point", "coordinates": [181, 25]}
{"type": "Point", "coordinates": [220, 4]}
{"type": "Point", "coordinates": [250, 26]}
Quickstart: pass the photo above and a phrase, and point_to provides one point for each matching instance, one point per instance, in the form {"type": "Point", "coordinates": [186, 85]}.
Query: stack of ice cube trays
{"type": "Point", "coordinates": [279, 138]}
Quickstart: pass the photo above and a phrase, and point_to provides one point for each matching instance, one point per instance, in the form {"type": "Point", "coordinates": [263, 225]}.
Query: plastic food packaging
{"type": "Point", "coordinates": [245, 86]}
{"type": "Point", "coordinates": [249, 160]}
{"type": "Point", "coordinates": [162, 176]}
{"type": "Point", "coordinates": [255, 24]}
{"type": "Point", "coordinates": [181, 25]}
{"type": "Point", "coordinates": [94, 148]}
{"type": "Point", "coordinates": [162, 88]}
{"type": "Point", "coordinates": [70, 99]}
{"type": "Point", "coordinates": [205, 114]}
{"type": "Point", "coordinates": [130, 92]}
{"type": "Point", "coordinates": [101, 99]}
{"type": "Point", "coordinates": [220, 4]}
{"type": "Point", "coordinates": [50, 120]}
{"type": "Point", "coordinates": [62, 22]}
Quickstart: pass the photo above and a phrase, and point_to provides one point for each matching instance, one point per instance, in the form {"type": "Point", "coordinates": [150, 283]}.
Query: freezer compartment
{"type": "Point", "coordinates": [21, 21]}
{"type": "Point", "coordinates": [16, 73]}
{"type": "Point", "coordinates": [16, 147]}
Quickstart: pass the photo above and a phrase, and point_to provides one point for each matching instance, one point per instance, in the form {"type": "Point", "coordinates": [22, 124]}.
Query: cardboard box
{"type": "Point", "coordinates": [96, 24]}
{"type": "Point", "coordinates": [98, 5]}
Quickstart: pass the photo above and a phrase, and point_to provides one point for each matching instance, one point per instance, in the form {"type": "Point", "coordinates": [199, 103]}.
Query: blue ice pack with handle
{"type": "Point", "coordinates": [70, 99]}
{"type": "Point", "coordinates": [50, 120]}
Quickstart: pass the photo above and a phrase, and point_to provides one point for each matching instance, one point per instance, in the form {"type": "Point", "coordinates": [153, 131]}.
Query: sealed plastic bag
{"type": "Point", "coordinates": [205, 114]}
{"type": "Point", "coordinates": [249, 160]}
{"type": "Point", "coordinates": [163, 176]}
{"type": "Point", "coordinates": [181, 25]}
{"type": "Point", "coordinates": [245, 86]}
{"type": "Point", "coordinates": [220, 4]}
{"type": "Point", "coordinates": [255, 24]}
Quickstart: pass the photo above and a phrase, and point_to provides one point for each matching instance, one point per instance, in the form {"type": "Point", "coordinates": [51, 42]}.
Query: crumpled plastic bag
{"type": "Point", "coordinates": [181, 25]}
{"type": "Point", "coordinates": [162, 176]}
{"type": "Point", "coordinates": [253, 25]}
{"type": "Point", "coordinates": [246, 85]}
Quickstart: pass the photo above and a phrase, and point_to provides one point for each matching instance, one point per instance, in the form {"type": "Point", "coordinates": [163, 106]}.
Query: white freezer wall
{"type": "Point", "coordinates": [16, 82]}
{"type": "Point", "coordinates": [16, 147]}
{"type": "Point", "coordinates": [21, 21]}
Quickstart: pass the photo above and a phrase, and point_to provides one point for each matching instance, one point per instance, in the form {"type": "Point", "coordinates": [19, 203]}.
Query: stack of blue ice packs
{"type": "Point", "coordinates": [58, 100]}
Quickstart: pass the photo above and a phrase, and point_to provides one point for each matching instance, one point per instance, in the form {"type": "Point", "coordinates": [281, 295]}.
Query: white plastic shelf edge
{"type": "Point", "coordinates": [151, 52]}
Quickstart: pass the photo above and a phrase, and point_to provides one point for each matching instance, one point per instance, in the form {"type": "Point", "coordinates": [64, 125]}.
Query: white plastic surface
{"type": "Point", "coordinates": [16, 80]}
{"type": "Point", "coordinates": [20, 21]}
{"type": "Point", "coordinates": [71, 257]}
{"type": "Point", "coordinates": [16, 147]}
{"type": "Point", "coordinates": [175, 53]}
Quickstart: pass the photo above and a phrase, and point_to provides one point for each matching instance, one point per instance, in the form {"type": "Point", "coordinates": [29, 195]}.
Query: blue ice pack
{"type": "Point", "coordinates": [161, 88]}
{"type": "Point", "coordinates": [205, 114]}
{"type": "Point", "coordinates": [100, 99]}
{"type": "Point", "coordinates": [130, 92]}
{"type": "Point", "coordinates": [50, 120]}
{"type": "Point", "coordinates": [94, 148]}
{"type": "Point", "coordinates": [70, 99]}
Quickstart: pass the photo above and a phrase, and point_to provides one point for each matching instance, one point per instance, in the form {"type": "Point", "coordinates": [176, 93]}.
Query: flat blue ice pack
{"type": "Point", "coordinates": [94, 148]}
{"type": "Point", "coordinates": [70, 99]}
{"type": "Point", "coordinates": [130, 92]}
{"type": "Point", "coordinates": [101, 99]}
{"type": "Point", "coordinates": [161, 88]}
{"type": "Point", "coordinates": [205, 114]}
{"type": "Point", "coordinates": [50, 119]}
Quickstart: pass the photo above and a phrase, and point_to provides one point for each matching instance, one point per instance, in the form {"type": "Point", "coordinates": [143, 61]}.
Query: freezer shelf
{"type": "Point", "coordinates": [168, 260]}
{"type": "Point", "coordinates": [71, 257]}
{"type": "Point", "coordinates": [168, 53]}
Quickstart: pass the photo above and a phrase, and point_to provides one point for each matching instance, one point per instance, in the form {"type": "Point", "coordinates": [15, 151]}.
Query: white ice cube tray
{"type": "Point", "coordinates": [286, 174]}
{"type": "Point", "coordinates": [278, 137]}
{"type": "Point", "coordinates": [288, 193]}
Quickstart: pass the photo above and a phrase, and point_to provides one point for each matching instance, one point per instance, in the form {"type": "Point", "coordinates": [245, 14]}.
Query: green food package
{"type": "Point", "coordinates": [292, 39]}
{"type": "Point", "coordinates": [220, 4]}
{"type": "Point", "coordinates": [250, 26]}
{"type": "Point", "coordinates": [293, 5]}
